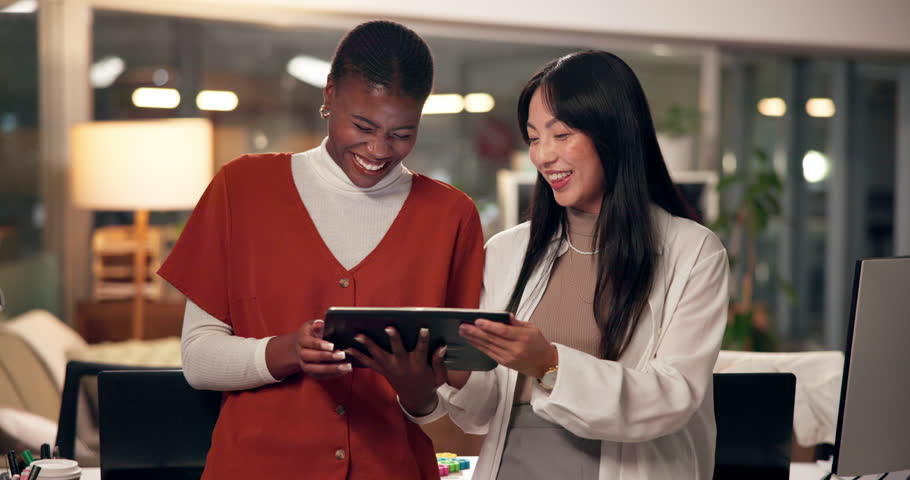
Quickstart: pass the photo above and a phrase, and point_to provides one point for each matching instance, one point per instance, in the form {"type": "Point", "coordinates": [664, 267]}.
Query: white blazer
{"type": "Point", "coordinates": [653, 410]}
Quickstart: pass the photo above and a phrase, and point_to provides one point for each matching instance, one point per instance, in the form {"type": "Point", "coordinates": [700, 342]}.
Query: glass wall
{"type": "Point", "coordinates": [784, 107]}
{"type": "Point", "coordinates": [28, 273]}
{"type": "Point", "coordinates": [765, 97]}
{"type": "Point", "coordinates": [277, 109]}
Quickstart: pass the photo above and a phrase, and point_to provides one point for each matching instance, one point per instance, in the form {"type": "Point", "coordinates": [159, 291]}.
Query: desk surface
{"type": "Point", "coordinates": [798, 471]}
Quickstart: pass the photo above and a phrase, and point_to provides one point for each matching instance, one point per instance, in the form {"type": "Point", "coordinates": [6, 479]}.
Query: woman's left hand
{"type": "Point", "coordinates": [518, 345]}
{"type": "Point", "coordinates": [409, 373]}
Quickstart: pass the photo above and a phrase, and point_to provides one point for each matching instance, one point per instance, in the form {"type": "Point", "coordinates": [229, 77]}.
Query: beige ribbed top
{"type": "Point", "coordinates": [565, 314]}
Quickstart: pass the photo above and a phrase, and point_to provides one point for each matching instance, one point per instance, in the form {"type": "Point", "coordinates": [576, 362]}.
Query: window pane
{"type": "Point", "coordinates": [28, 274]}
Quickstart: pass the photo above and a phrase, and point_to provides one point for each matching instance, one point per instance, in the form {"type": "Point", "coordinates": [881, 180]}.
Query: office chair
{"type": "Point", "coordinates": [754, 416]}
{"type": "Point", "coordinates": [69, 401]}
{"type": "Point", "coordinates": [154, 425]}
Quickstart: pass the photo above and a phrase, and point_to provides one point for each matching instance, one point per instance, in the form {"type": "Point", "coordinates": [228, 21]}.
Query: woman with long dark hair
{"type": "Point", "coordinates": [278, 238]}
{"type": "Point", "coordinates": [619, 299]}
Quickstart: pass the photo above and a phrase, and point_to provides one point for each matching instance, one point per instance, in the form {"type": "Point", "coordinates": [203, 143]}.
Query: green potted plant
{"type": "Point", "coordinates": [675, 134]}
{"type": "Point", "coordinates": [757, 204]}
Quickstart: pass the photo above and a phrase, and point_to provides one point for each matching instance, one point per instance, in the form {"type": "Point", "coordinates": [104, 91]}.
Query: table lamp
{"type": "Point", "coordinates": [141, 165]}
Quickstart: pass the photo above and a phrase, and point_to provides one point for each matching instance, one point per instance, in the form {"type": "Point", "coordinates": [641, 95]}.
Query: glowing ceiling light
{"type": "Point", "coordinates": [479, 102]}
{"type": "Point", "coordinates": [22, 6]}
{"type": "Point", "coordinates": [443, 103]}
{"type": "Point", "coordinates": [220, 100]}
{"type": "Point", "coordinates": [310, 70]}
{"type": "Point", "coordinates": [772, 107]}
{"type": "Point", "coordinates": [816, 166]}
{"type": "Point", "coordinates": [147, 97]}
{"type": "Point", "coordinates": [820, 107]}
{"type": "Point", "coordinates": [104, 72]}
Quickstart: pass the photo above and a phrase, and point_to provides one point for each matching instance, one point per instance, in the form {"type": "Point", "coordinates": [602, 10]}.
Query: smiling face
{"type": "Point", "coordinates": [371, 128]}
{"type": "Point", "coordinates": [565, 157]}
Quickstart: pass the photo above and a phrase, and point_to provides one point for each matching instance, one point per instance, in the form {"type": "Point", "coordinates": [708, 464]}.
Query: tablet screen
{"type": "Point", "coordinates": [342, 323]}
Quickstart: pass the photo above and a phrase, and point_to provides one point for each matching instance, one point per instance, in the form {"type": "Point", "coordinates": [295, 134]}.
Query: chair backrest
{"type": "Point", "coordinates": [80, 379]}
{"type": "Point", "coordinates": [154, 425]}
{"type": "Point", "coordinates": [754, 415]}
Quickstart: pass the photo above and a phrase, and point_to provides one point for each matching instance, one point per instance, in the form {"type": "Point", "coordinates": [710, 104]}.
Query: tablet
{"type": "Point", "coordinates": [341, 324]}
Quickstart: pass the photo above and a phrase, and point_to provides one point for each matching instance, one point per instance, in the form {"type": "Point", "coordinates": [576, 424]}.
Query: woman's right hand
{"type": "Point", "coordinates": [305, 351]}
{"type": "Point", "coordinates": [316, 356]}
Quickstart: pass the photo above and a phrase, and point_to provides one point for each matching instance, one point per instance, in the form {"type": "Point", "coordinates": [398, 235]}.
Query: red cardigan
{"type": "Point", "coordinates": [251, 256]}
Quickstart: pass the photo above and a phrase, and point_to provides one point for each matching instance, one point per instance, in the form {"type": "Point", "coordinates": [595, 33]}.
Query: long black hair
{"type": "Point", "coordinates": [597, 94]}
{"type": "Point", "coordinates": [387, 54]}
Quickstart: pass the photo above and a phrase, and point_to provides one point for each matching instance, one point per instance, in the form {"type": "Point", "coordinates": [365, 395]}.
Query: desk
{"type": "Point", "coordinates": [798, 471]}
{"type": "Point", "coordinates": [95, 474]}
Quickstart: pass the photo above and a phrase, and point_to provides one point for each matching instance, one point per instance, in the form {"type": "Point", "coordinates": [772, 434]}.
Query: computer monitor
{"type": "Point", "coordinates": [153, 425]}
{"type": "Point", "coordinates": [515, 189]}
{"type": "Point", "coordinates": [873, 425]}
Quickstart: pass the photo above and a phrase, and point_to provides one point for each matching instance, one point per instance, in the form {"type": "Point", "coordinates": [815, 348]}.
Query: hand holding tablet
{"type": "Point", "coordinates": [342, 324]}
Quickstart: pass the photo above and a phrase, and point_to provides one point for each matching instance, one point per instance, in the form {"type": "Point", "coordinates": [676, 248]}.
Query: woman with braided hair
{"type": "Point", "coordinates": [278, 238]}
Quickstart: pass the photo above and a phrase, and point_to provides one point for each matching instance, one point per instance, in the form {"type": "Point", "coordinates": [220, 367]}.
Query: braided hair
{"type": "Point", "coordinates": [386, 54]}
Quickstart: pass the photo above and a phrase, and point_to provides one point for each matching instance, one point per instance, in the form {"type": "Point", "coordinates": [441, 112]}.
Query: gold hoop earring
{"type": "Point", "coordinates": [324, 111]}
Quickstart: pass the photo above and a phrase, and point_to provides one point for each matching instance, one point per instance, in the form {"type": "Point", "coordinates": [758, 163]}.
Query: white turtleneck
{"type": "Point", "coordinates": [351, 221]}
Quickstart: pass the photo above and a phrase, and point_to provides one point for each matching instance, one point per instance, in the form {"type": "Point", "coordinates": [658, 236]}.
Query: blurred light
{"type": "Point", "coordinates": [160, 77]}
{"type": "Point", "coordinates": [820, 107]}
{"type": "Point", "coordinates": [156, 97]}
{"type": "Point", "coordinates": [772, 107]}
{"type": "Point", "coordinates": [443, 103]}
{"type": "Point", "coordinates": [816, 166]}
{"type": "Point", "coordinates": [310, 70]}
{"type": "Point", "coordinates": [442, 175]}
{"type": "Point", "coordinates": [220, 100]}
{"type": "Point", "coordinates": [22, 6]}
{"type": "Point", "coordinates": [260, 141]}
{"type": "Point", "coordinates": [479, 102]}
{"type": "Point", "coordinates": [38, 216]}
{"type": "Point", "coordinates": [104, 72]}
{"type": "Point", "coordinates": [728, 163]}
{"type": "Point", "coordinates": [661, 50]}
{"type": "Point", "coordinates": [489, 213]}
{"type": "Point", "coordinates": [8, 122]}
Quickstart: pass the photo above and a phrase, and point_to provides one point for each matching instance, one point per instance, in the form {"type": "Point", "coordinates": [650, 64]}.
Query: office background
{"type": "Point", "coordinates": [821, 88]}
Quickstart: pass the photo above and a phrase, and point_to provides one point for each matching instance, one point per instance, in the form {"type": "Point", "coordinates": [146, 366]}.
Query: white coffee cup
{"type": "Point", "coordinates": [58, 469]}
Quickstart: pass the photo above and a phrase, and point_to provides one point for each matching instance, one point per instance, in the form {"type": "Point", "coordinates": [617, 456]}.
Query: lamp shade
{"type": "Point", "coordinates": [141, 164]}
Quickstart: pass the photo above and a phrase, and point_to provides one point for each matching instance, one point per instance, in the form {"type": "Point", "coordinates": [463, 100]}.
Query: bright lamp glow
{"type": "Point", "coordinates": [816, 166]}
{"type": "Point", "coordinates": [104, 72]}
{"type": "Point", "coordinates": [443, 103]}
{"type": "Point", "coordinates": [772, 107]}
{"type": "Point", "coordinates": [141, 164]}
{"type": "Point", "coordinates": [220, 100]}
{"type": "Point", "coordinates": [147, 97]}
{"type": "Point", "coordinates": [22, 6]}
{"type": "Point", "coordinates": [479, 102]}
{"type": "Point", "coordinates": [820, 107]}
{"type": "Point", "coordinates": [310, 70]}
